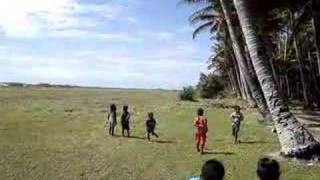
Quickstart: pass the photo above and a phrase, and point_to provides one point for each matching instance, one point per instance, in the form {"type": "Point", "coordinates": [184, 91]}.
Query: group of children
{"type": "Point", "coordinates": [125, 122]}
{"type": "Point", "coordinates": [200, 122]}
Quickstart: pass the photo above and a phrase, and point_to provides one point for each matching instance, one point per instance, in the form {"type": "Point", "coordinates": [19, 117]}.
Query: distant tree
{"type": "Point", "coordinates": [264, 50]}
{"type": "Point", "coordinates": [210, 85]}
{"type": "Point", "coordinates": [187, 93]}
{"type": "Point", "coordinates": [295, 139]}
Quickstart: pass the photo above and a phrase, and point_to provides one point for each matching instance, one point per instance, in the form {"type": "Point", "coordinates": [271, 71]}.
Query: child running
{"type": "Point", "coordinates": [151, 125]}
{"type": "Point", "coordinates": [200, 122]}
{"type": "Point", "coordinates": [125, 121]}
{"type": "Point", "coordinates": [236, 118]}
{"type": "Point", "coordinates": [112, 119]}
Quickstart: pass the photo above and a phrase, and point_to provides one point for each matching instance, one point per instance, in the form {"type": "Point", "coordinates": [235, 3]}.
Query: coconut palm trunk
{"type": "Point", "coordinates": [315, 84]}
{"type": "Point", "coordinates": [317, 42]}
{"type": "Point", "coordinates": [234, 74]}
{"type": "Point", "coordinates": [295, 139]}
{"type": "Point", "coordinates": [268, 43]}
{"type": "Point", "coordinates": [249, 78]}
{"type": "Point", "coordinates": [288, 93]}
{"type": "Point", "coordinates": [302, 78]}
{"type": "Point", "coordinates": [238, 78]}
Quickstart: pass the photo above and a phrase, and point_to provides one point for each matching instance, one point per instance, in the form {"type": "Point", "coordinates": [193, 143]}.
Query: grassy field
{"type": "Point", "coordinates": [59, 134]}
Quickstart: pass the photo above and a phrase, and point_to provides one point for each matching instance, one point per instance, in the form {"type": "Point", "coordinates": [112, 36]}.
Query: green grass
{"type": "Point", "coordinates": [40, 140]}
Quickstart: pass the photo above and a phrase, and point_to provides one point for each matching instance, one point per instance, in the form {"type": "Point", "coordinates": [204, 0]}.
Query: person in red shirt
{"type": "Point", "coordinates": [200, 122]}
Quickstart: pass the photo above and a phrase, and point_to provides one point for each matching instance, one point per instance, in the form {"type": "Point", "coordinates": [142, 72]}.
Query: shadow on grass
{"type": "Point", "coordinates": [145, 139]}
{"type": "Point", "coordinates": [217, 152]}
{"type": "Point", "coordinates": [309, 118]}
{"type": "Point", "coordinates": [163, 141]}
{"type": "Point", "coordinates": [114, 136]}
{"type": "Point", "coordinates": [137, 137]}
{"type": "Point", "coordinates": [313, 125]}
{"type": "Point", "coordinates": [252, 142]}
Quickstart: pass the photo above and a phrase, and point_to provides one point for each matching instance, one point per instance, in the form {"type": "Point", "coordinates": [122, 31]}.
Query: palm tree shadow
{"type": "Point", "coordinates": [313, 125]}
{"type": "Point", "coordinates": [114, 136]}
{"type": "Point", "coordinates": [252, 142]}
{"type": "Point", "coordinates": [163, 141]}
{"type": "Point", "coordinates": [218, 152]}
{"type": "Point", "coordinates": [137, 137]}
{"type": "Point", "coordinates": [155, 141]}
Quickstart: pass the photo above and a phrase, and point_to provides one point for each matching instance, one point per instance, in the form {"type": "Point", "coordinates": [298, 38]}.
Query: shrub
{"type": "Point", "coordinates": [187, 94]}
{"type": "Point", "coordinates": [210, 85]}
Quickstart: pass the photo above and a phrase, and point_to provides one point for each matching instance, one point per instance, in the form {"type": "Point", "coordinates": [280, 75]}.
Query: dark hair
{"type": "Point", "coordinates": [200, 112]}
{"type": "Point", "coordinates": [150, 114]}
{"type": "Point", "coordinates": [113, 108]}
{"type": "Point", "coordinates": [268, 169]}
{"type": "Point", "coordinates": [237, 108]}
{"type": "Point", "coordinates": [212, 170]}
{"type": "Point", "coordinates": [125, 108]}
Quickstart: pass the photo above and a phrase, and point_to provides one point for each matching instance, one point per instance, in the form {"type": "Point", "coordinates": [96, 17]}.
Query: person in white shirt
{"type": "Point", "coordinates": [236, 118]}
{"type": "Point", "coordinates": [112, 119]}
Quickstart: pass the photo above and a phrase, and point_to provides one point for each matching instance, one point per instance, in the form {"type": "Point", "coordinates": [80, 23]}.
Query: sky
{"type": "Point", "coordinates": [106, 43]}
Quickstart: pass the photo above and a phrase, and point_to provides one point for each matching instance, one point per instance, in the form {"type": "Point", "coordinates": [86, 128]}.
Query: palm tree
{"type": "Point", "coordinates": [218, 18]}
{"type": "Point", "coordinates": [251, 79]}
{"type": "Point", "coordinates": [295, 140]}
{"type": "Point", "coordinates": [211, 18]}
{"type": "Point", "coordinates": [315, 10]}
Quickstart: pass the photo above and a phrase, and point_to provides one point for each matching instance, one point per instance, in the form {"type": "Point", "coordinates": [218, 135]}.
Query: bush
{"type": "Point", "coordinates": [210, 85]}
{"type": "Point", "coordinates": [187, 94]}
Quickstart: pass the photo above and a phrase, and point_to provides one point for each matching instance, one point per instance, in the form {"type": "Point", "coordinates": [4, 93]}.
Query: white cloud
{"type": "Point", "coordinates": [110, 10]}
{"type": "Point", "coordinates": [72, 33]}
{"type": "Point", "coordinates": [20, 18]}
{"type": "Point", "coordinates": [186, 29]}
{"type": "Point", "coordinates": [105, 67]}
{"type": "Point", "coordinates": [118, 37]}
{"type": "Point", "coordinates": [29, 18]}
{"type": "Point", "coordinates": [132, 20]}
{"type": "Point", "coordinates": [103, 58]}
{"type": "Point", "coordinates": [165, 35]}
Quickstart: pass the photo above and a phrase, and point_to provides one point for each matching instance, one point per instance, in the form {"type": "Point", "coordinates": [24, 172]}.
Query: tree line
{"type": "Point", "coordinates": [267, 52]}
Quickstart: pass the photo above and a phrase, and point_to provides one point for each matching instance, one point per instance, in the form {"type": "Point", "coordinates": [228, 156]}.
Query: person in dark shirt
{"type": "Point", "coordinates": [125, 121]}
{"type": "Point", "coordinates": [151, 125]}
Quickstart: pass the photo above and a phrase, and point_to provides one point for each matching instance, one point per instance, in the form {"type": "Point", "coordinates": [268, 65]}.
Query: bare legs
{"type": "Point", "coordinates": [152, 133]}
{"type": "Point", "coordinates": [235, 131]}
{"type": "Point", "coordinates": [111, 130]}
{"type": "Point", "coordinates": [201, 142]}
{"type": "Point", "coordinates": [128, 132]}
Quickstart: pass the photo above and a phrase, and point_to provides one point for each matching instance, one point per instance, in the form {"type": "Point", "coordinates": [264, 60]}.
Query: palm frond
{"type": "Point", "coordinates": [201, 28]}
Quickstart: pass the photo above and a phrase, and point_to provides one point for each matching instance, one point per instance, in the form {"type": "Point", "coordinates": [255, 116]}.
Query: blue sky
{"type": "Point", "coordinates": [109, 43]}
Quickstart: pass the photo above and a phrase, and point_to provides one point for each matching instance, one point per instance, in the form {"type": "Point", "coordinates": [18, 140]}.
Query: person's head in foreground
{"type": "Point", "coordinates": [150, 115]}
{"type": "Point", "coordinates": [125, 108]}
{"type": "Point", "coordinates": [212, 170]}
{"type": "Point", "coordinates": [200, 112]}
{"type": "Point", "coordinates": [113, 108]}
{"type": "Point", "coordinates": [268, 169]}
{"type": "Point", "coordinates": [237, 109]}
